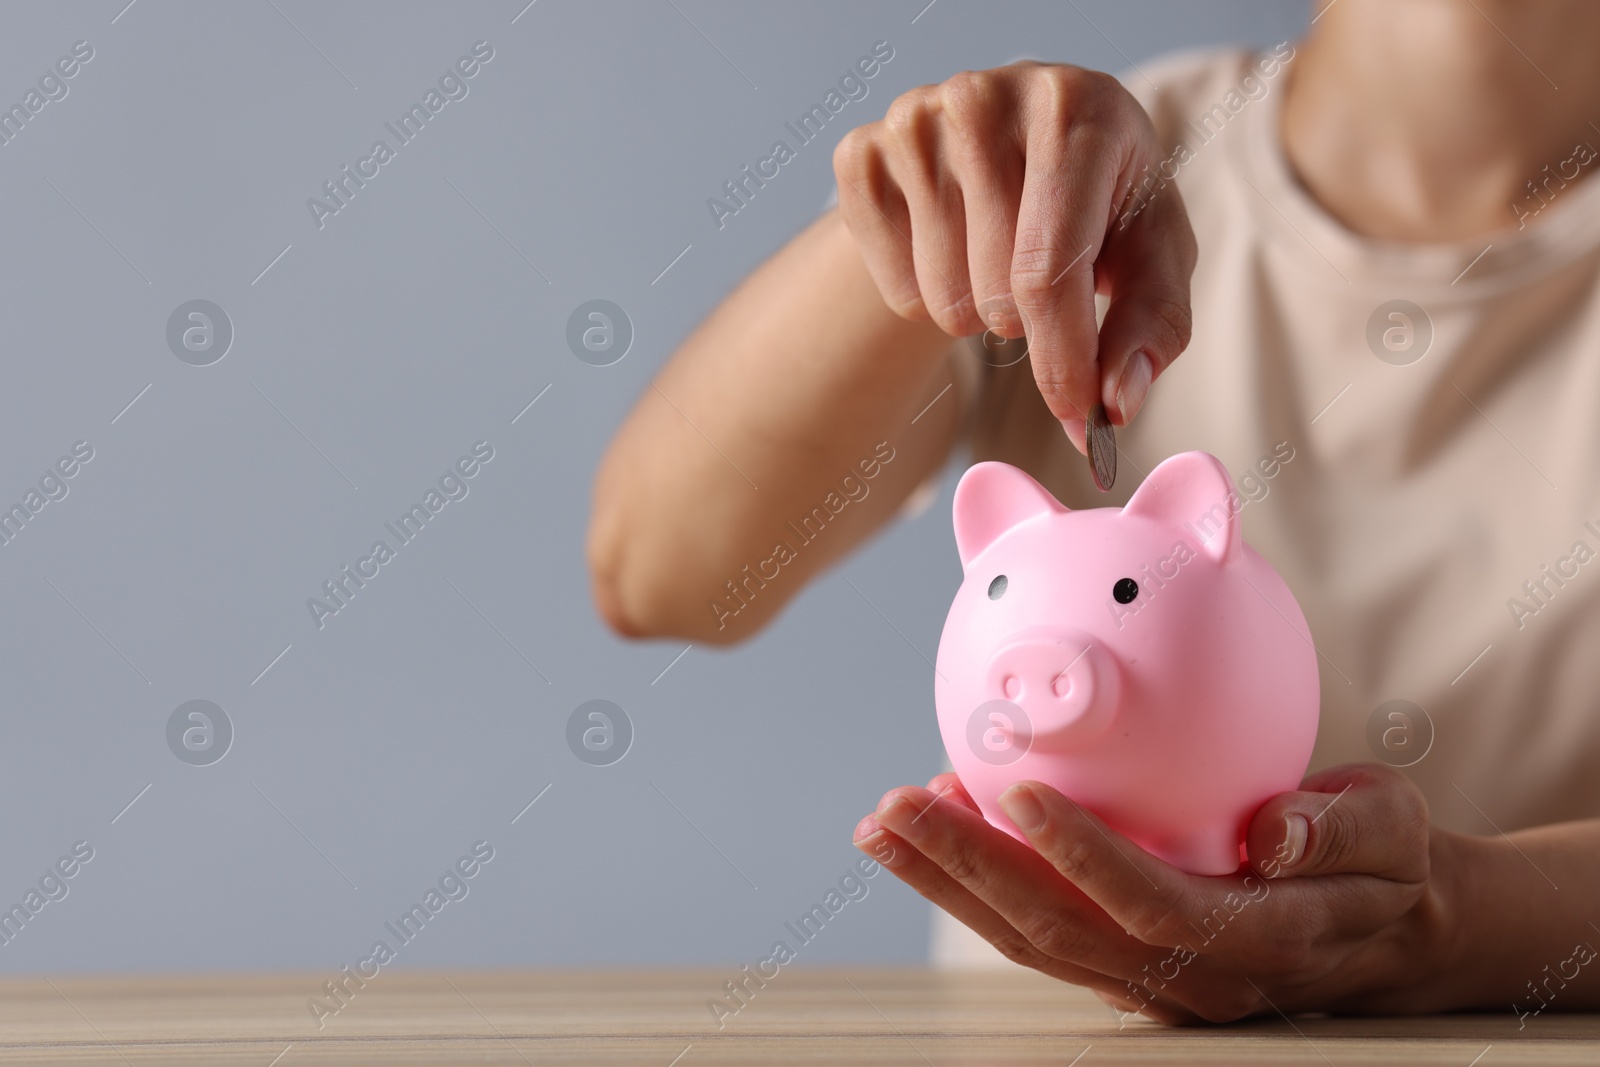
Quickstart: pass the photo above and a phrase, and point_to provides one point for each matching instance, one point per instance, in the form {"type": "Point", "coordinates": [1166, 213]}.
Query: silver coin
{"type": "Point", "coordinates": [1102, 442]}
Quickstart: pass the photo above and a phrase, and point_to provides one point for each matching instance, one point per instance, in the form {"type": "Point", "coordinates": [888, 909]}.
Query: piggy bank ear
{"type": "Point", "coordinates": [992, 498]}
{"type": "Point", "coordinates": [1192, 493]}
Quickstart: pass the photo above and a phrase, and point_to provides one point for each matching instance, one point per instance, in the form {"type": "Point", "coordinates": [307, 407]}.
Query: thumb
{"type": "Point", "coordinates": [1355, 819]}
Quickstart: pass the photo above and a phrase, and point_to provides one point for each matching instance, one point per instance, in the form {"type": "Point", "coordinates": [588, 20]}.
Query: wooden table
{"type": "Point", "coordinates": [882, 1018]}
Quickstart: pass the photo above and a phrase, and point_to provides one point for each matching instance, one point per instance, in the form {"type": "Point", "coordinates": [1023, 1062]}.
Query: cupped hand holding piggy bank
{"type": "Point", "coordinates": [1145, 661]}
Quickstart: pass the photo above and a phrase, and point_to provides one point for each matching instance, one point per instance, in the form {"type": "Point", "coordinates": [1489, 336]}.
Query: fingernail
{"type": "Point", "coordinates": [1022, 808]}
{"type": "Point", "coordinates": [1295, 832]}
{"type": "Point", "coordinates": [1133, 386]}
{"type": "Point", "coordinates": [901, 816]}
{"type": "Point", "coordinates": [866, 828]}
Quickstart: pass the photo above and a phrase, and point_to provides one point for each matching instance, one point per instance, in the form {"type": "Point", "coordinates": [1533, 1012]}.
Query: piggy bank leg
{"type": "Point", "coordinates": [1211, 852]}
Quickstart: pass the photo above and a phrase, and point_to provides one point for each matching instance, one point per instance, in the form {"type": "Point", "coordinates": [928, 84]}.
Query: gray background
{"type": "Point", "coordinates": [393, 338]}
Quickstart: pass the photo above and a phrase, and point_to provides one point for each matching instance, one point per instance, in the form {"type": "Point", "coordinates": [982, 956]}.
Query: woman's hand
{"type": "Point", "coordinates": [999, 200]}
{"type": "Point", "coordinates": [1341, 908]}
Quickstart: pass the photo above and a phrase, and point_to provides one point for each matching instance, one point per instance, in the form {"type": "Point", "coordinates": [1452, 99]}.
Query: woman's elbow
{"type": "Point", "coordinates": [642, 591]}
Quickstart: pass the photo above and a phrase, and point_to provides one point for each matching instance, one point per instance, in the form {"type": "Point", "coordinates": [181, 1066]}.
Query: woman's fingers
{"type": "Point", "coordinates": [915, 135]}
{"type": "Point", "coordinates": [949, 786]}
{"type": "Point", "coordinates": [1145, 269]}
{"type": "Point", "coordinates": [932, 882]}
{"type": "Point", "coordinates": [982, 150]}
{"type": "Point", "coordinates": [1014, 881]}
{"type": "Point", "coordinates": [937, 886]}
{"type": "Point", "coordinates": [880, 221]}
{"type": "Point", "coordinates": [1001, 200]}
{"type": "Point", "coordinates": [1087, 905]}
{"type": "Point", "coordinates": [1075, 154]}
{"type": "Point", "coordinates": [1152, 900]}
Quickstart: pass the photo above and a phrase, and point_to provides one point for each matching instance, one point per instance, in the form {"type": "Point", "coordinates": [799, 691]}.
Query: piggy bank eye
{"type": "Point", "coordinates": [1125, 590]}
{"type": "Point", "coordinates": [997, 588]}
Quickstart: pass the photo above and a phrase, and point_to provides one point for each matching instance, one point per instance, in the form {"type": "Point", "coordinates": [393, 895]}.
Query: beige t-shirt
{"type": "Point", "coordinates": [1439, 520]}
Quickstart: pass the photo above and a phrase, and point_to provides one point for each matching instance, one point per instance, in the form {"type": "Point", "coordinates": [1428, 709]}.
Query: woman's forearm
{"type": "Point", "coordinates": [733, 466]}
{"type": "Point", "coordinates": [1522, 917]}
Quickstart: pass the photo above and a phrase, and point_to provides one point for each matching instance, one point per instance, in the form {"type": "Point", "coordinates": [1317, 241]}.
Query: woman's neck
{"type": "Point", "coordinates": [1427, 120]}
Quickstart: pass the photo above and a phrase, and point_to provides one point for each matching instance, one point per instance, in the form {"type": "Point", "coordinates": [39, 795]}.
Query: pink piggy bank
{"type": "Point", "coordinates": [1145, 662]}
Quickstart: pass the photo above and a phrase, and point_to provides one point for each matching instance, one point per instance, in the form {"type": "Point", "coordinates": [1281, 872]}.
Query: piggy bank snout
{"type": "Point", "coordinates": [1066, 682]}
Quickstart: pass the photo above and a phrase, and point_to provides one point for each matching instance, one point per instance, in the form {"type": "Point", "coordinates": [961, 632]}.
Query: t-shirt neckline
{"type": "Point", "coordinates": [1469, 269]}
